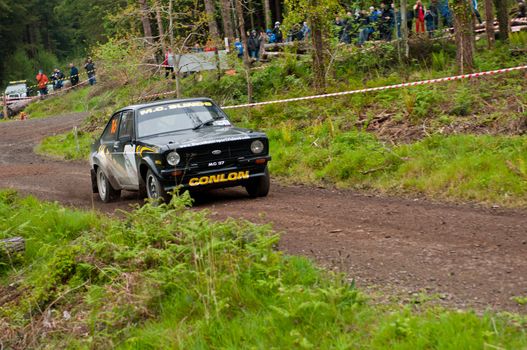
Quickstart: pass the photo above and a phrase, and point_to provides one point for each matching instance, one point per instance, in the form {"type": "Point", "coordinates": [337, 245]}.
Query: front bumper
{"type": "Point", "coordinates": [237, 174]}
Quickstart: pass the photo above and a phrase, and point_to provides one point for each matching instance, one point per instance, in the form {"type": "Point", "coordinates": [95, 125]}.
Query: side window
{"type": "Point", "coordinates": [110, 133]}
{"type": "Point", "coordinates": [126, 128]}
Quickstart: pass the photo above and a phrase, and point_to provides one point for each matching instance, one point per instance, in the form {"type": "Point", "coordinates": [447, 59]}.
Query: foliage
{"type": "Point", "coordinates": [70, 146]}
{"type": "Point", "coordinates": [518, 40]}
{"type": "Point", "coordinates": [463, 167]}
{"type": "Point", "coordinates": [73, 101]}
{"type": "Point", "coordinates": [39, 34]}
{"type": "Point", "coordinates": [168, 277]}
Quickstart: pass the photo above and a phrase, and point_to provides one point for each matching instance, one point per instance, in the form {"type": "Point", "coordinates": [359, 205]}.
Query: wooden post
{"type": "Point", "coordinates": [6, 115]}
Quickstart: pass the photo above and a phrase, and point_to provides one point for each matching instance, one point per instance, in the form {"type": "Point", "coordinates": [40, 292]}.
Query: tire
{"type": "Point", "coordinates": [259, 187]}
{"type": "Point", "coordinates": [154, 188]}
{"type": "Point", "coordinates": [106, 192]}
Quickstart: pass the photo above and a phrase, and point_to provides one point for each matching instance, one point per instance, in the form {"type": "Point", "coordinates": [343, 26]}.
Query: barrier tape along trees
{"type": "Point", "coordinates": [366, 90]}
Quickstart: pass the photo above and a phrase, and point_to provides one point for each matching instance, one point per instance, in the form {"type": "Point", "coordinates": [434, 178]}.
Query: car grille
{"type": "Point", "coordinates": [202, 156]}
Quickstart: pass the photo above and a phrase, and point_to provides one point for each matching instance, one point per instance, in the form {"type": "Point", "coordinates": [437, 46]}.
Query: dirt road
{"type": "Point", "coordinates": [468, 256]}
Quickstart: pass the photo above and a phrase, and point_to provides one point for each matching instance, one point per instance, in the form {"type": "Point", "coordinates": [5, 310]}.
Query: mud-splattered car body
{"type": "Point", "coordinates": [189, 144]}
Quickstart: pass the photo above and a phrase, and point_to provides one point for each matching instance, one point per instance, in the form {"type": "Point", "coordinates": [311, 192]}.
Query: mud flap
{"type": "Point", "coordinates": [94, 181]}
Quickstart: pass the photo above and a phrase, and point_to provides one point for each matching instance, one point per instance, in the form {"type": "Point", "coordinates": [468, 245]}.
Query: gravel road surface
{"type": "Point", "coordinates": [466, 255]}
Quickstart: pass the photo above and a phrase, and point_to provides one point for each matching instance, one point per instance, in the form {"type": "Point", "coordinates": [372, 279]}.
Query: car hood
{"type": "Point", "coordinates": [203, 136]}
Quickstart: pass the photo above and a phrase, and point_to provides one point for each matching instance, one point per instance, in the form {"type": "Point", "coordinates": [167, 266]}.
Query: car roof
{"type": "Point", "coordinates": [17, 86]}
{"type": "Point", "coordinates": [162, 102]}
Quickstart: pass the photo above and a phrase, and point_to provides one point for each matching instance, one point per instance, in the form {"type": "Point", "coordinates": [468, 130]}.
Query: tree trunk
{"type": "Point", "coordinates": [404, 28]}
{"type": "Point", "coordinates": [160, 26]}
{"type": "Point", "coordinates": [171, 24]}
{"type": "Point", "coordinates": [211, 19]}
{"type": "Point", "coordinates": [246, 61]}
{"type": "Point", "coordinates": [251, 12]}
{"type": "Point", "coordinates": [502, 13]}
{"type": "Point", "coordinates": [178, 75]}
{"type": "Point", "coordinates": [489, 23]}
{"type": "Point", "coordinates": [278, 10]}
{"type": "Point", "coordinates": [228, 26]}
{"type": "Point", "coordinates": [267, 11]}
{"type": "Point", "coordinates": [145, 19]}
{"type": "Point", "coordinates": [464, 31]}
{"type": "Point", "coordinates": [318, 48]}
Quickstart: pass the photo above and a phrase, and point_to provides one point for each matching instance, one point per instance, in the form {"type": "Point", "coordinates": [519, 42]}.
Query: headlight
{"type": "Point", "coordinates": [173, 158]}
{"type": "Point", "coordinates": [257, 147]}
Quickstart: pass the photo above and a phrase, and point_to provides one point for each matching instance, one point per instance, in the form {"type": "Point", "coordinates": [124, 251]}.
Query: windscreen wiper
{"type": "Point", "coordinates": [203, 124]}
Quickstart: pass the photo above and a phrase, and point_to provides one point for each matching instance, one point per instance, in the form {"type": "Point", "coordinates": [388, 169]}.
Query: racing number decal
{"type": "Point", "coordinates": [113, 130]}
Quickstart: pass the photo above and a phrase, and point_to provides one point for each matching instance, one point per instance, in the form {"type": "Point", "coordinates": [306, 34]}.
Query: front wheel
{"type": "Point", "coordinates": [106, 192]}
{"type": "Point", "coordinates": [259, 187]}
{"type": "Point", "coordinates": [154, 188]}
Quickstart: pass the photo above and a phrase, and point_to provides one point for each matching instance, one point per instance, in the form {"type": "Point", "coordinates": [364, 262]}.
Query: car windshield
{"type": "Point", "coordinates": [172, 117]}
{"type": "Point", "coordinates": [15, 89]}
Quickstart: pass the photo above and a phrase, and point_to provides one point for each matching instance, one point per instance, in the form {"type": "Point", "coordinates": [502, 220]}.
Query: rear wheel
{"type": "Point", "coordinates": [154, 188]}
{"type": "Point", "coordinates": [106, 192]}
{"type": "Point", "coordinates": [259, 187]}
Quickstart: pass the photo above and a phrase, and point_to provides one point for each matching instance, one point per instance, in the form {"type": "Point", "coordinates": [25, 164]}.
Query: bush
{"type": "Point", "coordinates": [168, 277]}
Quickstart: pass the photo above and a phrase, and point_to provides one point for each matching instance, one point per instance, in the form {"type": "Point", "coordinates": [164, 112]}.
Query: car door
{"type": "Point", "coordinates": [123, 151]}
{"type": "Point", "coordinates": [105, 152]}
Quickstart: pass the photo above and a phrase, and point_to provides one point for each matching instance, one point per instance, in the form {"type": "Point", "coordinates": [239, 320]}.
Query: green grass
{"type": "Point", "coordinates": [488, 169]}
{"type": "Point", "coordinates": [71, 101]}
{"type": "Point", "coordinates": [168, 277]}
{"type": "Point", "coordinates": [69, 146]}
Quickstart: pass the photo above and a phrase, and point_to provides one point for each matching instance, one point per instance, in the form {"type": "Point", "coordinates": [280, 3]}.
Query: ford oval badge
{"type": "Point", "coordinates": [216, 152]}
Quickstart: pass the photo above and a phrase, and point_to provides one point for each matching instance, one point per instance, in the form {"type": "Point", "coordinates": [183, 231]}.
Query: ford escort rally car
{"type": "Point", "coordinates": [188, 144]}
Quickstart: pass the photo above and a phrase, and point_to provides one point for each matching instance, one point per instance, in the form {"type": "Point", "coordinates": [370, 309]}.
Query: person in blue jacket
{"type": "Point", "coordinates": [239, 46]}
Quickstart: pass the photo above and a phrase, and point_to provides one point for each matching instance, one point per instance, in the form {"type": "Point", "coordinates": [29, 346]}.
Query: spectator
{"type": "Point", "coordinates": [253, 45]}
{"type": "Point", "coordinates": [364, 23]}
{"type": "Point", "coordinates": [57, 77]}
{"type": "Point", "coordinates": [372, 21]}
{"type": "Point", "coordinates": [306, 32]}
{"type": "Point", "coordinates": [475, 9]}
{"type": "Point", "coordinates": [42, 81]}
{"type": "Point", "coordinates": [90, 69]}
{"type": "Point", "coordinates": [169, 64]}
{"type": "Point", "coordinates": [74, 75]}
{"type": "Point", "coordinates": [374, 14]}
{"type": "Point", "coordinates": [196, 48]}
{"type": "Point", "coordinates": [296, 33]}
{"type": "Point", "coordinates": [279, 37]}
{"type": "Point", "coordinates": [239, 47]}
{"type": "Point", "coordinates": [419, 14]}
{"type": "Point", "coordinates": [434, 10]}
{"type": "Point", "coordinates": [398, 24]}
{"type": "Point", "coordinates": [522, 9]}
{"type": "Point", "coordinates": [409, 20]}
{"type": "Point", "coordinates": [444, 10]}
{"type": "Point", "coordinates": [429, 19]}
{"type": "Point", "coordinates": [393, 11]}
{"type": "Point", "coordinates": [339, 24]}
{"type": "Point", "coordinates": [271, 37]}
{"type": "Point", "coordinates": [385, 22]}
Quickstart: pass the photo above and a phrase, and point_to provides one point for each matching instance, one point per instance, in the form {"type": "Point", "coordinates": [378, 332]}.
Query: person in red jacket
{"type": "Point", "coordinates": [42, 81]}
{"type": "Point", "coordinates": [419, 14]}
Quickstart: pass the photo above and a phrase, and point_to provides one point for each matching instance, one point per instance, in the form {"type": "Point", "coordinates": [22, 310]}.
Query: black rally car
{"type": "Point", "coordinates": [156, 147]}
